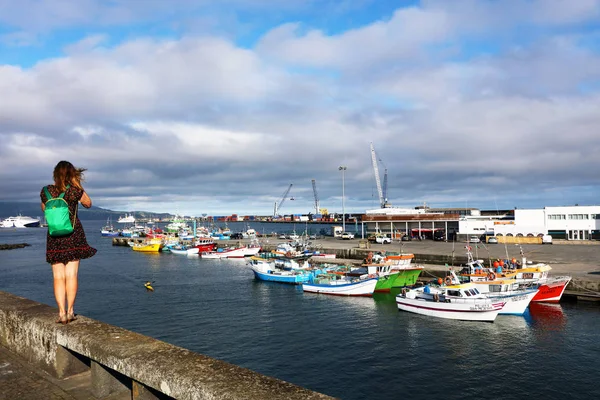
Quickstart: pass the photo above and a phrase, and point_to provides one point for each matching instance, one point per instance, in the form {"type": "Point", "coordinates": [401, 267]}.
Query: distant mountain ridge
{"type": "Point", "coordinates": [13, 208]}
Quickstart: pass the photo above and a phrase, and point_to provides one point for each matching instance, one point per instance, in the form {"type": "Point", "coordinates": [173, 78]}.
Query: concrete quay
{"type": "Point", "coordinates": [88, 359]}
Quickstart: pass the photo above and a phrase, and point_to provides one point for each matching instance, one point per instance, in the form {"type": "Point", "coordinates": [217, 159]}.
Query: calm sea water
{"type": "Point", "coordinates": [351, 348]}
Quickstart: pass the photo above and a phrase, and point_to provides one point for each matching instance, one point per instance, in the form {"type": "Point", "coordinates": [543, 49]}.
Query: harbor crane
{"type": "Point", "coordinates": [314, 185]}
{"type": "Point", "coordinates": [385, 181]}
{"type": "Point", "coordinates": [278, 205]}
{"type": "Point", "coordinates": [383, 203]}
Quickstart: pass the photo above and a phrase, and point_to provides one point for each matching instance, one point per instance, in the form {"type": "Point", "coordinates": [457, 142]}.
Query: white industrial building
{"type": "Point", "coordinates": [568, 222]}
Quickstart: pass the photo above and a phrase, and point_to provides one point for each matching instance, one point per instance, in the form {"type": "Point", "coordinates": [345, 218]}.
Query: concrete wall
{"type": "Point", "coordinates": [519, 239]}
{"type": "Point", "coordinates": [121, 360]}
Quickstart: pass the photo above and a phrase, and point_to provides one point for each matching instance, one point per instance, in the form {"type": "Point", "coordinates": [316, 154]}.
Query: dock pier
{"type": "Point", "coordinates": [111, 362]}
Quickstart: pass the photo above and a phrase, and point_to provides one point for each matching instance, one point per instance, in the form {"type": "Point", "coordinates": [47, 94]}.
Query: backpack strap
{"type": "Point", "coordinates": [48, 195]}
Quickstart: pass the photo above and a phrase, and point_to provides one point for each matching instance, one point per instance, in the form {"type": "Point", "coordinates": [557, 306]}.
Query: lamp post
{"type": "Point", "coordinates": [343, 169]}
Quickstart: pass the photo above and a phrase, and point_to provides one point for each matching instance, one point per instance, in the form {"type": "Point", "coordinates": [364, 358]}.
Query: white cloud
{"type": "Point", "coordinates": [200, 121]}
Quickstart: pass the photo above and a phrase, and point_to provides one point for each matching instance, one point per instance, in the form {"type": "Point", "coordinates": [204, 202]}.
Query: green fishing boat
{"type": "Point", "coordinates": [394, 271]}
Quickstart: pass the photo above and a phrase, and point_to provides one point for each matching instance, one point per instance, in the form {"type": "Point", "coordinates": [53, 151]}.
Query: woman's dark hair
{"type": "Point", "coordinates": [66, 174]}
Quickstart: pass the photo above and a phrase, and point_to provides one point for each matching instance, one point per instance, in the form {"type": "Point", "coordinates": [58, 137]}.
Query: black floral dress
{"type": "Point", "coordinates": [74, 246]}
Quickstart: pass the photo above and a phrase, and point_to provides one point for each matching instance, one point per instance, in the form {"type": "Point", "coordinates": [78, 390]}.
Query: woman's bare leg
{"type": "Point", "coordinates": [71, 270]}
{"type": "Point", "coordinates": [60, 291]}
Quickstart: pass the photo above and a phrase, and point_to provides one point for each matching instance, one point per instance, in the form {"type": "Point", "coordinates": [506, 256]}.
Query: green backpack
{"type": "Point", "coordinates": [57, 214]}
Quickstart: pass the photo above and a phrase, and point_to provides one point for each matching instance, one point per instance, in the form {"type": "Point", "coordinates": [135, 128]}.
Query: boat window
{"type": "Point", "coordinates": [454, 293]}
{"type": "Point", "coordinates": [473, 292]}
{"type": "Point", "coordinates": [495, 288]}
{"type": "Point", "coordinates": [468, 293]}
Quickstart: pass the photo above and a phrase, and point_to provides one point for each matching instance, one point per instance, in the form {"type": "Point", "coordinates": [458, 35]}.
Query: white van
{"type": "Point", "coordinates": [546, 239]}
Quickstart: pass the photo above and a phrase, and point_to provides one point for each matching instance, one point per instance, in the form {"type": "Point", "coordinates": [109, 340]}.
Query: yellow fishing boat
{"type": "Point", "coordinates": [147, 247]}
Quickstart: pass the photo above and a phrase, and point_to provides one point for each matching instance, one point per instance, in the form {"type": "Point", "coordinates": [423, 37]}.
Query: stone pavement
{"type": "Point", "coordinates": [20, 381]}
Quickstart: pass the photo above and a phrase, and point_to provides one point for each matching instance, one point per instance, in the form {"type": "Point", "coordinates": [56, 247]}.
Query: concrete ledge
{"type": "Point", "coordinates": [28, 329]}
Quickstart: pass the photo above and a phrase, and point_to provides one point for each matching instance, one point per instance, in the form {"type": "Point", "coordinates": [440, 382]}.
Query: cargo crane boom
{"type": "Point", "coordinates": [278, 205]}
{"type": "Point", "coordinates": [377, 180]}
{"type": "Point", "coordinates": [314, 185]}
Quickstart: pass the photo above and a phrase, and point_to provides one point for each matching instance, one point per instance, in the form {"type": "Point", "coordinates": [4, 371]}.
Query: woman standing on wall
{"type": "Point", "coordinates": [64, 252]}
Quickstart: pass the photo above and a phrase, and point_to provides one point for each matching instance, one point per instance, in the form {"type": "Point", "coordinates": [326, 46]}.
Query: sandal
{"type": "Point", "coordinates": [71, 317]}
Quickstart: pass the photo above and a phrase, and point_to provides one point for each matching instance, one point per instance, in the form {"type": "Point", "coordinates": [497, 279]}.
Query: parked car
{"type": "Point", "coordinates": [474, 239]}
{"type": "Point", "coordinates": [383, 239]}
{"type": "Point", "coordinates": [492, 240]}
{"type": "Point", "coordinates": [546, 239]}
{"type": "Point", "coordinates": [406, 238]}
{"type": "Point", "coordinates": [347, 235]}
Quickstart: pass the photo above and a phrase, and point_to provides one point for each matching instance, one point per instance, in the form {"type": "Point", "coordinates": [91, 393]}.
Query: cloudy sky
{"type": "Point", "coordinates": [198, 106]}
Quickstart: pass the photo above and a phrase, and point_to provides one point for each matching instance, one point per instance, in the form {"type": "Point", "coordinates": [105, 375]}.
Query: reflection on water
{"type": "Point", "coordinates": [546, 316]}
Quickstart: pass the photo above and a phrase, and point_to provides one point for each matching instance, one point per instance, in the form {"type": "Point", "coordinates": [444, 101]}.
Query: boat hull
{"type": "Point", "coordinates": [193, 251]}
{"type": "Point", "coordinates": [147, 248]}
{"type": "Point", "coordinates": [516, 303]}
{"type": "Point", "coordinates": [281, 277]}
{"type": "Point", "coordinates": [399, 279]}
{"type": "Point", "coordinates": [551, 291]}
{"type": "Point", "coordinates": [486, 312]}
{"type": "Point", "coordinates": [361, 288]}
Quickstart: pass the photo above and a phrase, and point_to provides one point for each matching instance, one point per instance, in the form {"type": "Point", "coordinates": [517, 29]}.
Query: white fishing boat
{"type": "Point", "coordinates": [341, 285]}
{"type": "Point", "coordinates": [252, 249]}
{"type": "Point", "coordinates": [20, 221]}
{"type": "Point", "coordinates": [460, 302]}
{"type": "Point", "coordinates": [184, 250]}
{"type": "Point", "coordinates": [236, 252]}
{"type": "Point", "coordinates": [108, 229]}
{"type": "Point", "coordinates": [516, 297]}
{"type": "Point", "coordinates": [526, 274]}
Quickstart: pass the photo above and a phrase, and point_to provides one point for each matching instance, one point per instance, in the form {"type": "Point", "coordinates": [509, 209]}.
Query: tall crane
{"type": "Point", "coordinates": [278, 206]}
{"type": "Point", "coordinates": [382, 199]}
{"type": "Point", "coordinates": [385, 182]}
{"type": "Point", "coordinates": [314, 185]}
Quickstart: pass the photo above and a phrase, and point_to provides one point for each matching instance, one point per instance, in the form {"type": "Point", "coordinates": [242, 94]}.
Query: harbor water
{"type": "Point", "coordinates": [350, 348]}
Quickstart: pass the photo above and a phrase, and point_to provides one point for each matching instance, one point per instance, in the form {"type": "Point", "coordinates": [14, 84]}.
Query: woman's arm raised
{"type": "Point", "coordinates": [85, 200]}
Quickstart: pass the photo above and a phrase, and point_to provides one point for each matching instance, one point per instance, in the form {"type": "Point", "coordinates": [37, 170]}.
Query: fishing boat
{"type": "Point", "coordinates": [108, 229]}
{"type": "Point", "coordinates": [148, 247]}
{"type": "Point", "coordinates": [177, 224]}
{"type": "Point", "coordinates": [526, 274]}
{"type": "Point", "coordinates": [204, 244]}
{"type": "Point", "coordinates": [516, 296]}
{"type": "Point", "coordinates": [460, 302]}
{"type": "Point", "coordinates": [234, 252]}
{"type": "Point", "coordinates": [252, 249]}
{"type": "Point", "coordinates": [265, 270]}
{"type": "Point", "coordinates": [393, 270]}
{"type": "Point", "coordinates": [184, 250]}
{"type": "Point", "coordinates": [20, 221]}
{"type": "Point", "coordinates": [341, 285]}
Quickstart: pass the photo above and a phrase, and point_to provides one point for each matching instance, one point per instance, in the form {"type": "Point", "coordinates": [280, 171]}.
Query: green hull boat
{"type": "Point", "coordinates": [405, 277]}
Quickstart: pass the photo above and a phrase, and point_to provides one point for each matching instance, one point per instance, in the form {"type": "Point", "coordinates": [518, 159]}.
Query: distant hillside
{"type": "Point", "coordinates": [12, 208]}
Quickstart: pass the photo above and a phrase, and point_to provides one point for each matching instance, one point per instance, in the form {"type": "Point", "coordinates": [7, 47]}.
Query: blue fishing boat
{"type": "Point", "coordinates": [265, 270]}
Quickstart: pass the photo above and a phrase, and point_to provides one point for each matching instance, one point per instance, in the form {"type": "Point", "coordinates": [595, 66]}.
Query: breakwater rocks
{"type": "Point", "coordinates": [13, 246]}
